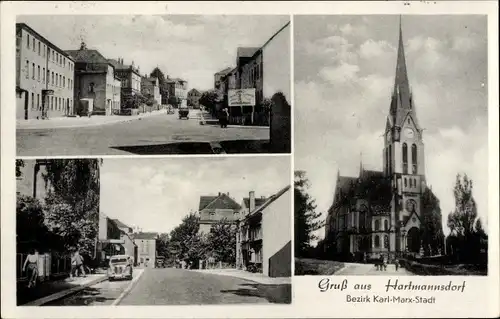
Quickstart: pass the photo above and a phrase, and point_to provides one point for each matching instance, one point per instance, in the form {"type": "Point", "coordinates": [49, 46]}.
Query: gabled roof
{"type": "Point", "coordinates": [205, 200]}
{"type": "Point", "coordinates": [224, 72]}
{"type": "Point", "coordinates": [223, 201]}
{"type": "Point", "coordinates": [194, 91]}
{"type": "Point", "coordinates": [269, 201]}
{"type": "Point", "coordinates": [258, 202]}
{"type": "Point", "coordinates": [174, 80]}
{"type": "Point", "coordinates": [145, 235]}
{"type": "Point", "coordinates": [120, 224]}
{"type": "Point", "coordinates": [245, 52]}
{"type": "Point", "coordinates": [87, 56]}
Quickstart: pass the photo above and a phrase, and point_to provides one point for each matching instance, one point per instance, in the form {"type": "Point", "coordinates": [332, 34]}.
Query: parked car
{"type": "Point", "coordinates": [183, 113]}
{"type": "Point", "coordinates": [120, 267]}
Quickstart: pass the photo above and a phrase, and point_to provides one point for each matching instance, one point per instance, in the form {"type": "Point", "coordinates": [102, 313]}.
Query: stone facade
{"type": "Point", "coordinates": [42, 68]}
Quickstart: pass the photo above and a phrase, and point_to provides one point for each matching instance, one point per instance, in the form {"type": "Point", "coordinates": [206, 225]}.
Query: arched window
{"type": "Point", "coordinates": [386, 224]}
{"type": "Point", "coordinates": [386, 241]}
{"type": "Point", "coordinates": [405, 158]}
{"type": "Point", "coordinates": [377, 225]}
{"type": "Point", "coordinates": [377, 241]}
{"type": "Point", "coordinates": [406, 182]}
{"type": "Point", "coordinates": [414, 158]}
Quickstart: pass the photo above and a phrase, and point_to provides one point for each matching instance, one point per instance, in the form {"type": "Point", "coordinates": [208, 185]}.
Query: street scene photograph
{"type": "Point", "coordinates": [152, 84]}
{"type": "Point", "coordinates": [391, 167]}
{"type": "Point", "coordinates": [160, 231]}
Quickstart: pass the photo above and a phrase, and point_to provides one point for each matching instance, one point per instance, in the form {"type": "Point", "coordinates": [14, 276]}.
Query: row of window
{"type": "Point", "coordinates": [377, 225]}
{"type": "Point", "coordinates": [53, 103]}
{"type": "Point", "coordinates": [40, 75]}
{"type": "Point", "coordinates": [255, 73]}
{"type": "Point", "coordinates": [34, 44]}
{"type": "Point", "coordinates": [377, 241]}
{"type": "Point", "coordinates": [411, 181]}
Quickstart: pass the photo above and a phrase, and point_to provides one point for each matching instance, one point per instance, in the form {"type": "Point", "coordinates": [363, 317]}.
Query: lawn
{"type": "Point", "coordinates": [307, 266]}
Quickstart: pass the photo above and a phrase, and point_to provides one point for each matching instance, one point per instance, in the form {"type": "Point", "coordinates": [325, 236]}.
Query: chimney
{"type": "Point", "coordinates": [251, 199]}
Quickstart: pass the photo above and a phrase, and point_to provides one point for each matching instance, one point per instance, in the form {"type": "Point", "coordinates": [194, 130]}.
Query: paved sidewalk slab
{"type": "Point", "coordinates": [52, 290]}
{"type": "Point", "coordinates": [69, 122]}
{"type": "Point", "coordinates": [257, 277]}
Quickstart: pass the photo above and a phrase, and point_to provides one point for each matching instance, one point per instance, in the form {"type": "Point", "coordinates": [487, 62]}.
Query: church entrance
{"type": "Point", "coordinates": [413, 244]}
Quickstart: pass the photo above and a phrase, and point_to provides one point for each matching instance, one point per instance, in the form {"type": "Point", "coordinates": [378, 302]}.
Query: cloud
{"type": "Point", "coordinates": [341, 105]}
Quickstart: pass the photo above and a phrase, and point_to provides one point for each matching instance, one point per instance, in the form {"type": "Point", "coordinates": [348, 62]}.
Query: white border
{"type": "Point", "coordinates": [307, 301]}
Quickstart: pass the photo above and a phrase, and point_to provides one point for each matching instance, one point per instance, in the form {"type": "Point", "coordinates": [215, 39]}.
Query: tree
{"type": "Point", "coordinates": [72, 201]}
{"type": "Point", "coordinates": [463, 221]}
{"type": "Point", "coordinates": [157, 73]}
{"type": "Point", "coordinates": [19, 165]}
{"type": "Point", "coordinates": [162, 244]}
{"type": "Point", "coordinates": [306, 218]}
{"type": "Point", "coordinates": [186, 243]}
{"type": "Point", "coordinates": [221, 242]}
{"type": "Point", "coordinates": [209, 100]}
{"type": "Point", "coordinates": [432, 230]}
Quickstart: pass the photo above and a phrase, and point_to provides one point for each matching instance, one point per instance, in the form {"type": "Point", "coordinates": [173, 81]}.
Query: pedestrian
{"type": "Point", "coordinates": [77, 264]}
{"type": "Point", "coordinates": [224, 118]}
{"type": "Point", "coordinates": [31, 263]}
{"type": "Point", "coordinates": [396, 263]}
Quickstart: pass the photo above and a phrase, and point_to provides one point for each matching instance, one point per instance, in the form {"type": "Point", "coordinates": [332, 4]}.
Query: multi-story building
{"type": "Point", "coordinates": [94, 80]}
{"type": "Point", "coordinates": [193, 98]}
{"type": "Point", "coordinates": [146, 249]}
{"type": "Point", "coordinates": [117, 94]}
{"type": "Point", "coordinates": [151, 86]}
{"type": "Point", "coordinates": [263, 237]}
{"type": "Point", "coordinates": [219, 76]}
{"type": "Point", "coordinates": [177, 91]}
{"type": "Point", "coordinates": [213, 209]}
{"type": "Point", "coordinates": [130, 81]}
{"type": "Point", "coordinates": [381, 212]}
{"type": "Point", "coordinates": [44, 76]}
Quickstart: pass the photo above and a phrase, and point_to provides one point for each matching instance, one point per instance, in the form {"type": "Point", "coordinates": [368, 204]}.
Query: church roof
{"type": "Point", "coordinates": [402, 100]}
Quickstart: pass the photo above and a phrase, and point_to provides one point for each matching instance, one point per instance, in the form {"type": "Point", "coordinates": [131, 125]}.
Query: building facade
{"type": "Point", "coordinates": [219, 76]}
{"type": "Point", "coordinates": [263, 238]}
{"type": "Point", "coordinates": [177, 91]}
{"type": "Point", "coordinates": [150, 86]}
{"type": "Point", "coordinates": [31, 182]}
{"type": "Point", "coordinates": [146, 249]}
{"type": "Point", "coordinates": [44, 77]}
{"type": "Point", "coordinates": [95, 81]}
{"type": "Point", "coordinates": [117, 93]}
{"type": "Point", "coordinates": [380, 212]}
{"type": "Point", "coordinates": [131, 80]}
{"type": "Point", "coordinates": [213, 209]}
{"type": "Point", "coordinates": [193, 98]}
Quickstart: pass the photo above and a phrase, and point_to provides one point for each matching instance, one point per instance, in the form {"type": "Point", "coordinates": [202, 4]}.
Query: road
{"type": "Point", "coordinates": [179, 287]}
{"type": "Point", "coordinates": [354, 269]}
{"type": "Point", "coordinates": [158, 134]}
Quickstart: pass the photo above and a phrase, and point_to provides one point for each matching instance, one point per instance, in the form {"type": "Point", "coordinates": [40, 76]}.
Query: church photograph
{"type": "Point", "coordinates": [391, 145]}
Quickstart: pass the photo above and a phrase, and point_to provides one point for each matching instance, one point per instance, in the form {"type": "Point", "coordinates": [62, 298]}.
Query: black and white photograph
{"type": "Point", "coordinates": [391, 167]}
{"type": "Point", "coordinates": [162, 231]}
{"type": "Point", "coordinates": [152, 84]}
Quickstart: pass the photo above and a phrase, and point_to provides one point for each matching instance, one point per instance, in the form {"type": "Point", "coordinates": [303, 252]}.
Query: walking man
{"type": "Point", "coordinates": [77, 264]}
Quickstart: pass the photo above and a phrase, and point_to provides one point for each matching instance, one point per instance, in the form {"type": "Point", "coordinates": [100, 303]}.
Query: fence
{"type": "Point", "coordinates": [49, 266]}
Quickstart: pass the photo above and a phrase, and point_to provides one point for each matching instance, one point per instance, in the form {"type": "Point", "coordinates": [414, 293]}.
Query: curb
{"type": "Point", "coordinates": [128, 289]}
{"type": "Point", "coordinates": [64, 293]}
{"type": "Point", "coordinates": [252, 279]}
{"type": "Point", "coordinates": [83, 125]}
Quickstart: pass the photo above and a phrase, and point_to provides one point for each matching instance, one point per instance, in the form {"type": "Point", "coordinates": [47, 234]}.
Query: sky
{"type": "Point", "coordinates": [344, 74]}
{"type": "Point", "coordinates": [186, 46]}
{"type": "Point", "coordinates": [156, 193]}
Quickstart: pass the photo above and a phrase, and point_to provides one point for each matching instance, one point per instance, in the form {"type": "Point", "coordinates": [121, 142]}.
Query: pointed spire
{"type": "Point", "coordinates": [401, 82]}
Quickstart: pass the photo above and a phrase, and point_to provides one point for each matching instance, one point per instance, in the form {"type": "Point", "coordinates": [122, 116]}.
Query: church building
{"type": "Point", "coordinates": [380, 212]}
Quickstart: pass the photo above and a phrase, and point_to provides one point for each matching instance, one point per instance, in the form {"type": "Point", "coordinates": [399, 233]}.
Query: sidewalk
{"type": "Point", "coordinates": [84, 121]}
{"type": "Point", "coordinates": [257, 277]}
{"type": "Point", "coordinates": [207, 119]}
{"type": "Point", "coordinates": [49, 291]}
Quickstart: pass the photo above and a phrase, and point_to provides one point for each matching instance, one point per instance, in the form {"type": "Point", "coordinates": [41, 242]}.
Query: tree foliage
{"type": "Point", "coordinates": [209, 100]}
{"type": "Point", "coordinates": [466, 229]}
{"type": "Point", "coordinates": [162, 245]}
{"type": "Point", "coordinates": [19, 165]}
{"type": "Point", "coordinates": [432, 230]}
{"type": "Point", "coordinates": [221, 242]}
{"type": "Point", "coordinates": [186, 243]}
{"type": "Point", "coordinates": [72, 202]}
{"type": "Point", "coordinates": [306, 218]}
{"type": "Point", "coordinates": [157, 73]}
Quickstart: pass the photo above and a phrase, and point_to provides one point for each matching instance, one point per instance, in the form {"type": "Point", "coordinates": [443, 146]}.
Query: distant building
{"type": "Point", "coordinates": [151, 86]}
{"type": "Point", "coordinates": [263, 238]}
{"type": "Point", "coordinates": [177, 91]}
{"type": "Point", "coordinates": [250, 203]}
{"type": "Point", "coordinates": [44, 76]}
{"type": "Point", "coordinates": [114, 239]}
{"type": "Point", "coordinates": [146, 249]}
{"type": "Point", "coordinates": [193, 98]}
{"type": "Point", "coordinates": [130, 81]}
{"type": "Point", "coordinates": [213, 209]}
{"type": "Point", "coordinates": [219, 77]}
{"type": "Point", "coordinates": [95, 81]}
